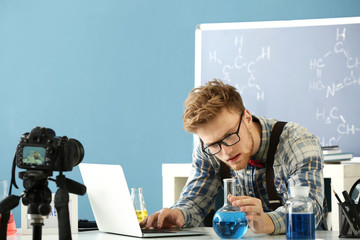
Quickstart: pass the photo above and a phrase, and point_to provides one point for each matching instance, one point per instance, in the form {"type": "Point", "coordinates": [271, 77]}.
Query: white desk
{"type": "Point", "coordinates": [342, 176]}
{"type": "Point", "coordinates": [210, 235]}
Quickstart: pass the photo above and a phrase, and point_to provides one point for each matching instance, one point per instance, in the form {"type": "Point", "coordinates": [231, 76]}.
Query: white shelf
{"type": "Point", "coordinates": [174, 179]}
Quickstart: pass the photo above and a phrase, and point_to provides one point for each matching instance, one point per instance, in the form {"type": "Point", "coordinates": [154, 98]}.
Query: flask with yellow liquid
{"type": "Point", "coordinates": [139, 203]}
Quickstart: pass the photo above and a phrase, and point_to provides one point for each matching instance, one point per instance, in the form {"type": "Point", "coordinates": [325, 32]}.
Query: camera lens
{"type": "Point", "coordinates": [75, 151]}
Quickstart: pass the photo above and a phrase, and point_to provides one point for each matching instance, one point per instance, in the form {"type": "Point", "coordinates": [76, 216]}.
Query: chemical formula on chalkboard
{"type": "Point", "coordinates": [331, 86]}
{"type": "Point", "coordinates": [343, 128]}
{"type": "Point", "coordinates": [243, 65]}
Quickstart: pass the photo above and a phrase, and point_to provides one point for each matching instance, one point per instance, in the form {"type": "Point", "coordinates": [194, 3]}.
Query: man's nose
{"type": "Point", "coordinates": [226, 150]}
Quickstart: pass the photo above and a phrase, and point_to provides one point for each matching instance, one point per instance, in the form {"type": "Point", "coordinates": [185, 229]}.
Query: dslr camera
{"type": "Point", "coordinates": [42, 150]}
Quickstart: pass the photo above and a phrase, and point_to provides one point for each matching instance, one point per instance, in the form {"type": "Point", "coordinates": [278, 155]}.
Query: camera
{"type": "Point", "coordinates": [42, 150]}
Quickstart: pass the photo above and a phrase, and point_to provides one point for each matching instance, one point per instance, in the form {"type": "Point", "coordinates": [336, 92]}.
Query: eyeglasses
{"type": "Point", "coordinates": [229, 140]}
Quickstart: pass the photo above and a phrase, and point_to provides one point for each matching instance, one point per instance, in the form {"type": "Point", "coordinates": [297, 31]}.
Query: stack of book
{"type": "Point", "coordinates": [333, 154]}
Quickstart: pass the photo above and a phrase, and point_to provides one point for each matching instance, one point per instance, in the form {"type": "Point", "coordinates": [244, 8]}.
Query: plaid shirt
{"type": "Point", "coordinates": [298, 161]}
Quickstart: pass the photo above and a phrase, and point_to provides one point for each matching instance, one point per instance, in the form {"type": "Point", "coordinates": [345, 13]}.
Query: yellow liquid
{"type": "Point", "coordinates": [141, 215]}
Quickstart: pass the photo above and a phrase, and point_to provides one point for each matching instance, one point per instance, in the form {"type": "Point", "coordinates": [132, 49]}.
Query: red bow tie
{"type": "Point", "coordinates": [256, 163]}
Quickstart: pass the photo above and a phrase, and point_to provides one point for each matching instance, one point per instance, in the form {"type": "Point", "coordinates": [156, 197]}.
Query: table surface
{"type": "Point", "coordinates": [210, 234]}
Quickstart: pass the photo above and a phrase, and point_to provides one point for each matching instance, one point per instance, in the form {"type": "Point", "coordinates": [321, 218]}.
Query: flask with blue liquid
{"type": "Point", "coordinates": [300, 220]}
{"type": "Point", "coordinates": [229, 222]}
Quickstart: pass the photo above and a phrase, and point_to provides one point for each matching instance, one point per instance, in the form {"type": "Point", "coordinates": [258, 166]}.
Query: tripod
{"type": "Point", "coordinates": [37, 196]}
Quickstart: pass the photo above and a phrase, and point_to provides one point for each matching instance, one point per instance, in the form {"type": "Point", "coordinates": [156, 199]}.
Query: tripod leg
{"type": "Point", "coordinates": [37, 231]}
{"type": "Point", "coordinates": [62, 207]}
{"type": "Point", "coordinates": [4, 222]}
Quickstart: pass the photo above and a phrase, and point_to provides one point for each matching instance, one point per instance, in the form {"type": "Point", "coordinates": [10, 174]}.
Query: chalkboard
{"type": "Point", "coordinates": [305, 71]}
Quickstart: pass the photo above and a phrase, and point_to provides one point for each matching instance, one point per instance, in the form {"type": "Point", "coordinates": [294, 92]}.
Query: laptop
{"type": "Point", "coordinates": [112, 206]}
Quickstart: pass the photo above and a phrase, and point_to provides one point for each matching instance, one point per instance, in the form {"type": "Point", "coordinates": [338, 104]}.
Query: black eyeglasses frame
{"type": "Point", "coordinates": [206, 149]}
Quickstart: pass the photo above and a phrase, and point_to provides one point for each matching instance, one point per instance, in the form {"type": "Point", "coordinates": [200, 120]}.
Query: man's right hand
{"type": "Point", "coordinates": [165, 218]}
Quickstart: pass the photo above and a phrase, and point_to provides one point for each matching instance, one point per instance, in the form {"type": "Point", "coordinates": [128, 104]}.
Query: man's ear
{"type": "Point", "coordinates": [247, 117]}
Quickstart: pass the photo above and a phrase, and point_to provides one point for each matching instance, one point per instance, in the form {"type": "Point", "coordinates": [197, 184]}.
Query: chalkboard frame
{"type": "Point", "coordinates": [347, 143]}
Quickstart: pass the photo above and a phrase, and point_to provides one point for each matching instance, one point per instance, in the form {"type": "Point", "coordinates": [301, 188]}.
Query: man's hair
{"type": "Point", "coordinates": [205, 102]}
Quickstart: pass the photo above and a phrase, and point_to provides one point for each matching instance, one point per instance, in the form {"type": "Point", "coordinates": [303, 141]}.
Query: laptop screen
{"type": "Point", "coordinates": [110, 199]}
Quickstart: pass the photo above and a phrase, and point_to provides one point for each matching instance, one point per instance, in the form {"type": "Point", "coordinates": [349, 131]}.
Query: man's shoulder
{"type": "Point", "coordinates": [293, 130]}
{"type": "Point", "coordinates": [296, 138]}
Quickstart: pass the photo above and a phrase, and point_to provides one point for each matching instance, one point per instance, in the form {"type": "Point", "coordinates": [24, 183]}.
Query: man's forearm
{"type": "Point", "coordinates": [269, 225]}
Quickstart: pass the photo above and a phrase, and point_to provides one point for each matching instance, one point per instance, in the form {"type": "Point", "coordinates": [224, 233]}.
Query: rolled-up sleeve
{"type": "Point", "coordinates": [198, 195]}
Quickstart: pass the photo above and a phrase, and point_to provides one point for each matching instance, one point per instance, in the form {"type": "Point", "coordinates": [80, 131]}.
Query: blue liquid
{"type": "Point", "coordinates": [230, 224]}
{"type": "Point", "coordinates": [300, 226]}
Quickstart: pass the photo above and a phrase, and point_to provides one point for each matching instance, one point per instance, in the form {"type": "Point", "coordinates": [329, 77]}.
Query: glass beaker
{"type": "Point", "coordinates": [139, 203]}
{"type": "Point", "coordinates": [229, 221]}
{"type": "Point", "coordinates": [300, 220]}
{"type": "Point", "coordinates": [11, 227]}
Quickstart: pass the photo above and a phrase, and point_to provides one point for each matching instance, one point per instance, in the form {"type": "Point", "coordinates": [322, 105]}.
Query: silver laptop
{"type": "Point", "coordinates": [111, 203]}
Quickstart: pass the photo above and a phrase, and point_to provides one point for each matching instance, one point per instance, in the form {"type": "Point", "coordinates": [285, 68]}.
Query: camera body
{"type": "Point", "coordinates": [42, 150]}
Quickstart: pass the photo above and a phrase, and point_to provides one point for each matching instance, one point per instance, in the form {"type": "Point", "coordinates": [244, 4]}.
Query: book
{"type": "Point", "coordinates": [331, 151]}
{"type": "Point", "coordinates": [337, 157]}
{"type": "Point", "coordinates": [352, 161]}
{"type": "Point", "coordinates": [330, 147]}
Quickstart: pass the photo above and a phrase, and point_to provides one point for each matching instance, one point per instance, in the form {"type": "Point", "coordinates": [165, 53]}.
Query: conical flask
{"type": "Point", "coordinates": [139, 203]}
{"type": "Point", "coordinates": [229, 222]}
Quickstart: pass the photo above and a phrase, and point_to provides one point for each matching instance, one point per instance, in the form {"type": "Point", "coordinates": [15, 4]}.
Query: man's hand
{"type": "Point", "coordinates": [259, 222]}
{"type": "Point", "coordinates": [165, 218]}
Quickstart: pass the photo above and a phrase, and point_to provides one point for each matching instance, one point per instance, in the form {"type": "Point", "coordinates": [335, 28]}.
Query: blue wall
{"type": "Point", "coordinates": [114, 74]}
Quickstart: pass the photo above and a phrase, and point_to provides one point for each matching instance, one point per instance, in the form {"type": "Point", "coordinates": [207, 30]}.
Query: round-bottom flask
{"type": "Point", "coordinates": [229, 222]}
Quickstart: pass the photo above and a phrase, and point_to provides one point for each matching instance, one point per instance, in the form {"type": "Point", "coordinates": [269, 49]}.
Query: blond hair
{"type": "Point", "coordinates": [205, 102]}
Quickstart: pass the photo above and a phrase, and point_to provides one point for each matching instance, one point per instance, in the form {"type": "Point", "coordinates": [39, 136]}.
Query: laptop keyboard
{"type": "Point", "coordinates": [159, 230]}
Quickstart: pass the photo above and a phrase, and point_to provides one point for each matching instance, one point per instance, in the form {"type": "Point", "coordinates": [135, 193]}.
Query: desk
{"type": "Point", "coordinates": [210, 234]}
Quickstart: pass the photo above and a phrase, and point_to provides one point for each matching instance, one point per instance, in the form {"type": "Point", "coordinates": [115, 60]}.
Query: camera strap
{"type": "Point", "coordinates": [13, 181]}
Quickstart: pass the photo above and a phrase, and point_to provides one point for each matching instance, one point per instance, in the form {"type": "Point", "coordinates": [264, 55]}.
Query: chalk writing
{"type": "Point", "coordinates": [240, 64]}
{"type": "Point", "coordinates": [350, 63]}
{"type": "Point", "coordinates": [333, 116]}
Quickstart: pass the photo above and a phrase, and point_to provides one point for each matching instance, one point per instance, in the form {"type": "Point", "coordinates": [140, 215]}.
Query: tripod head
{"type": "Point", "coordinates": [37, 196]}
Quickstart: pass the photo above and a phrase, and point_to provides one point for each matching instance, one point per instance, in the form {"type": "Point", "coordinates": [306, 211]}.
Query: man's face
{"type": "Point", "coordinates": [227, 122]}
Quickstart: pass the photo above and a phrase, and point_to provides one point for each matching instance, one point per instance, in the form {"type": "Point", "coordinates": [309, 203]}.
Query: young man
{"type": "Point", "coordinates": [228, 133]}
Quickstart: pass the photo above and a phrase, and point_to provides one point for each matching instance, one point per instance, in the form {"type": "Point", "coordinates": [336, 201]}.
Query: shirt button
{"type": "Point", "coordinates": [248, 172]}
{"type": "Point", "coordinates": [250, 192]}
